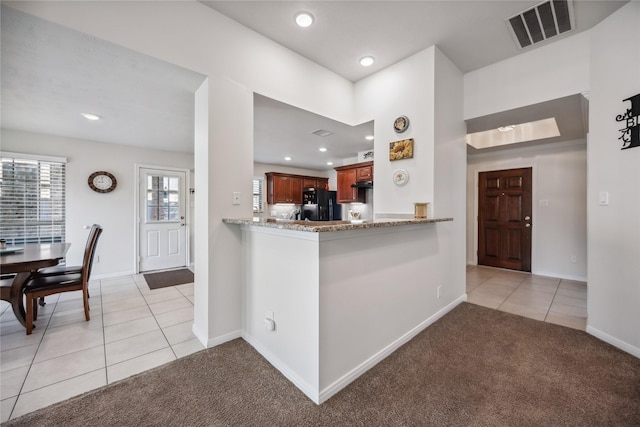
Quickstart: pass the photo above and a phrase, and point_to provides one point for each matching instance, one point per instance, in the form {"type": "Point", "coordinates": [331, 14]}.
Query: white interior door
{"type": "Point", "coordinates": [163, 231]}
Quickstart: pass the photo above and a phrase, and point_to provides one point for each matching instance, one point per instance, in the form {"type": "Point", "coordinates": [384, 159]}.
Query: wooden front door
{"type": "Point", "coordinates": [504, 219]}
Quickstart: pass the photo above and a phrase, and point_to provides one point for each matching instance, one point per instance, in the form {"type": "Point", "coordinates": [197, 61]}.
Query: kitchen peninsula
{"type": "Point", "coordinates": [326, 301]}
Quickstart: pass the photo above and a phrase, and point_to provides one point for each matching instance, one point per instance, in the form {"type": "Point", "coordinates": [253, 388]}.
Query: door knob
{"type": "Point", "coordinates": [527, 218]}
{"type": "Point", "coordinates": [527, 225]}
{"type": "Point", "coordinates": [182, 225]}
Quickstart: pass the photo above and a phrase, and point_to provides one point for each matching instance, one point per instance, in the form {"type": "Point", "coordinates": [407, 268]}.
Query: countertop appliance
{"type": "Point", "coordinates": [320, 205]}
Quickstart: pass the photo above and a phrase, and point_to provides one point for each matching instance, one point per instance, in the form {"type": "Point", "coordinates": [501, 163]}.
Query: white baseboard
{"type": "Point", "coordinates": [289, 374]}
{"type": "Point", "coordinates": [346, 379]}
{"type": "Point", "coordinates": [212, 342]}
{"type": "Point", "coordinates": [624, 346]}
{"type": "Point", "coordinates": [111, 275]}
{"type": "Point", "coordinates": [560, 276]}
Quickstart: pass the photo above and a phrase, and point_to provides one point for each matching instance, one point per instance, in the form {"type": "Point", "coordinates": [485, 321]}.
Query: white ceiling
{"type": "Point", "coordinates": [470, 33]}
{"type": "Point", "coordinates": [50, 74]}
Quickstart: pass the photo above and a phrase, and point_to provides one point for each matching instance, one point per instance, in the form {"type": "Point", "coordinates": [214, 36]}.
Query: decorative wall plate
{"type": "Point", "coordinates": [401, 124]}
{"type": "Point", "coordinates": [400, 177]}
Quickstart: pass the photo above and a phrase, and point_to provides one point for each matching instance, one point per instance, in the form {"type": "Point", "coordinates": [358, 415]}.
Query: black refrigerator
{"type": "Point", "coordinates": [320, 205]}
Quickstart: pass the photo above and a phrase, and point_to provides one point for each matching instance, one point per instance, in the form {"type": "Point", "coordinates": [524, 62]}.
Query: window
{"type": "Point", "coordinates": [163, 199]}
{"type": "Point", "coordinates": [258, 195]}
{"type": "Point", "coordinates": [32, 199]}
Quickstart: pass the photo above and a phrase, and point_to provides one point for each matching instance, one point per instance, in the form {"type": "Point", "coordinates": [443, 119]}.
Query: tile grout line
{"type": "Point", "coordinates": [33, 359]}
{"type": "Point", "coordinates": [104, 337]}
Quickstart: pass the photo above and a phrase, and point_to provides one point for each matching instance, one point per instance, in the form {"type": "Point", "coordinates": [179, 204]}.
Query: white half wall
{"type": "Point", "coordinates": [614, 230]}
{"type": "Point", "coordinates": [559, 202]}
{"type": "Point", "coordinates": [115, 210]}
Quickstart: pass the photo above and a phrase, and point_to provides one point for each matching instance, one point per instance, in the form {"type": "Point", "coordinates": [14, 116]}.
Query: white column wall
{"type": "Point", "coordinates": [614, 230]}
{"type": "Point", "coordinates": [450, 159]}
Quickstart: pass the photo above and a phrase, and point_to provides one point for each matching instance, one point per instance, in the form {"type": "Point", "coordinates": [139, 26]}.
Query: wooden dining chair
{"type": "Point", "coordinates": [65, 269]}
{"type": "Point", "coordinates": [41, 285]}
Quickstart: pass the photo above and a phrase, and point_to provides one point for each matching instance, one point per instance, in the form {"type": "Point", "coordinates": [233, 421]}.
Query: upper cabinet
{"type": "Point", "coordinates": [287, 188]}
{"type": "Point", "coordinates": [347, 178]}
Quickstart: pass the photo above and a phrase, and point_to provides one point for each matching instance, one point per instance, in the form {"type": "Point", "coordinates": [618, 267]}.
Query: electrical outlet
{"type": "Point", "coordinates": [439, 291]}
{"type": "Point", "coordinates": [573, 259]}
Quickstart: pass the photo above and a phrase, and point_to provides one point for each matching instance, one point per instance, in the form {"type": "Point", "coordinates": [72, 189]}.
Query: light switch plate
{"type": "Point", "coordinates": [603, 199]}
{"type": "Point", "coordinates": [236, 198]}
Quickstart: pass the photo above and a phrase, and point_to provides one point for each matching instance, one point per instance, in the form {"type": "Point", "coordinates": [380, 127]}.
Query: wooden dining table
{"type": "Point", "coordinates": [23, 263]}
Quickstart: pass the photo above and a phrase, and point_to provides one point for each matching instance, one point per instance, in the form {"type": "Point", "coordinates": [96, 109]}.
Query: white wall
{"type": "Point", "coordinates": [614, 230]}
{"type": "Point", "coordinates": [450, 154]}
{"type": "Point", "coordinates": [560, 228]}
{"type": "Point", "coordinates": [406, 88]}
{"type": "Point", "coordinates": [549, 72]}
{"type": "Point", "coordinates": [115, 210]}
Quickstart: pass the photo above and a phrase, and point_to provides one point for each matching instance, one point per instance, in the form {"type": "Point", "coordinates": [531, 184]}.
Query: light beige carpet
{"type": "Point", "coordinates": [474, 367]}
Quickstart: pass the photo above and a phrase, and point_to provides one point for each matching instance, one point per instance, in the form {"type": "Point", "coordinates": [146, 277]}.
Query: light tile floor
{"type": "Point", "coordinates": [132, 329]}
{"type": "Point", "coordinates": [553, 300]}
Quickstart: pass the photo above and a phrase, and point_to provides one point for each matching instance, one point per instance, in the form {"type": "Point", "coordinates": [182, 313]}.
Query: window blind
{"type": "Point", "coordinates": [258, 195]}
{"type": "Point", "coordinates": [32, 199]}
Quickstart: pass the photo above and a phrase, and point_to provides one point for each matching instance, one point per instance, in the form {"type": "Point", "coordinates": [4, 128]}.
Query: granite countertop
{"type": "Point", "coordinates": [328, 226]}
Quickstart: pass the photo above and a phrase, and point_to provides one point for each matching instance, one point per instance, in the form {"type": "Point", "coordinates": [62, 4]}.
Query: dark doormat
{"type": "Point", "coordinates": [169, 278]}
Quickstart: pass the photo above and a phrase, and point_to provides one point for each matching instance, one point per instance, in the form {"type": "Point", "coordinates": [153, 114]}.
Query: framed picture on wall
{"type": "Point", "coordinates": [402, 149]}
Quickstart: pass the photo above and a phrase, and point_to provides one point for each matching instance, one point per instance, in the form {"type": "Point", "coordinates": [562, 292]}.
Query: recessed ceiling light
{"type": "Point", "coordinates": [304, 19]}
{"type": "Point", "coordinates": [369, 137]}
{"type": "Point", "coordinates": [506, 128]}
{"type": "Point", "coordinates": [287, 158]}
{"type": "Point", "coordinates": [322, 149]}
{"type": "Point", "coordinates": [329, 163]}
{"type": "Point", "coordinates": [90, 116]}
{"type": "Point", "coordinates": [367, 61]}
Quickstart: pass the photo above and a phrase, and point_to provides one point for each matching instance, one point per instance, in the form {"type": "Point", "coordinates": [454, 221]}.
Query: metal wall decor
{"type": "Point", "coordinates": [401, 124]}
{"type": "Point", "coordinates": [399, 150]}
{"type": "Point", "coordinates": [631, 133]}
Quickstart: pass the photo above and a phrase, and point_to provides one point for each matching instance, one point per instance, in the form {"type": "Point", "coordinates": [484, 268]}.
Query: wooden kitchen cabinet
{"type": "Point", "coordinates": [315, 182]}
{"type": "Point", "coordinates": [283, 188]}
{"type": "Point", "coordinates": [349, 175]}
{"type": "Point", "coordinates": [346, 193]}
{"type": "Point", "coordinates": [364, 173]}
{"type": "Point", "coordinates": [287, 188]}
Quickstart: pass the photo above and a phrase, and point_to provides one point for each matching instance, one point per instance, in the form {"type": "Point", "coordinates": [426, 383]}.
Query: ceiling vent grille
{"type": "Point", "coordinates": [322, 132]}
{"type": "Point", "coordinates": [541, 22]}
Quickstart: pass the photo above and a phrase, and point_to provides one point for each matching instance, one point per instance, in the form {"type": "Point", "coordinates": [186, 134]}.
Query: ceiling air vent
{"type": "Point", "coordinates": [541, 22]}
{"type": "Point", "coordinates": [322, 132]}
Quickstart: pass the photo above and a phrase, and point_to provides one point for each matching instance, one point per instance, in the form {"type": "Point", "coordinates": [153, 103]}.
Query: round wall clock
{"type": "Point", "coordinates": [401, 124]}
{"type": "Point", "coordinates": [102, 182]}
{"type": "Point", "coordinates": [400, 177]}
